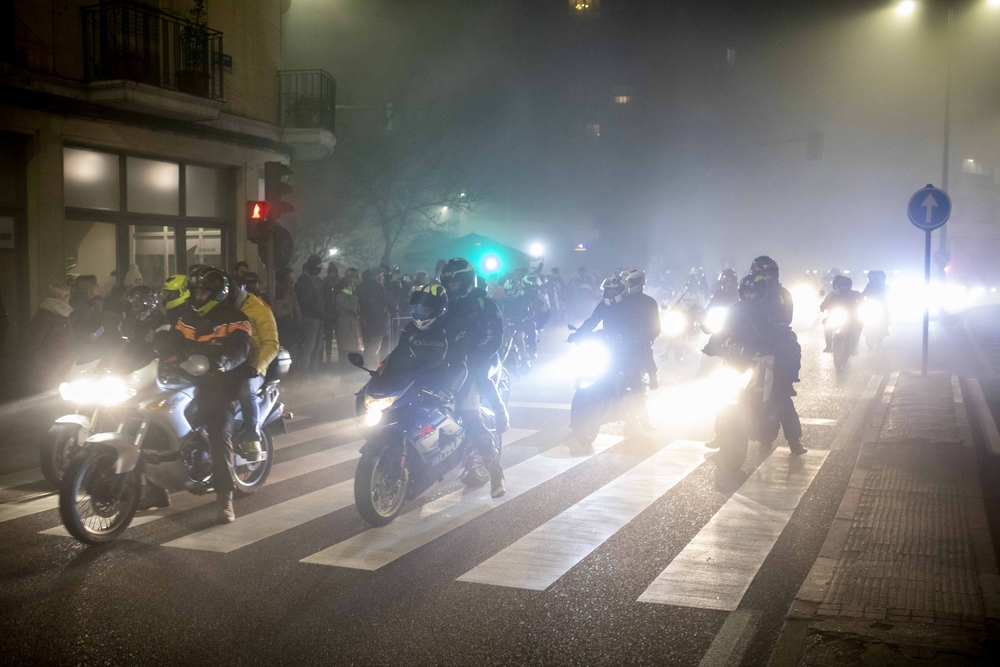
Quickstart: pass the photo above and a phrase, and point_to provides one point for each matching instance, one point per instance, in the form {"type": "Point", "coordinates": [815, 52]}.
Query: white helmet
{"type": "Point", "coordinates": [634, 279]}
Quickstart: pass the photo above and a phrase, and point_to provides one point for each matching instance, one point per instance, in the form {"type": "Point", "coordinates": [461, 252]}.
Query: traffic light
{"type": "Point", "coordinates": [258, 226]}
{"type": "Point", "coordinates": [276, 187]}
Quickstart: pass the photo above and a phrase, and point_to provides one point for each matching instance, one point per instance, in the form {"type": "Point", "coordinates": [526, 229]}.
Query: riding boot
{"type": "Point", "coordinates": [155, 497]}
{"type": "Point", "coordinates": [224, 501]}
{"type": "Point", "coordinates": [498, 485]}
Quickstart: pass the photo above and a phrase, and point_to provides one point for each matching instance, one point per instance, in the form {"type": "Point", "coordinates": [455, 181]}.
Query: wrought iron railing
{"type": "Point", "coordinates": [308, 99]}
{"type": "Point", "coordinates": [124, 40]}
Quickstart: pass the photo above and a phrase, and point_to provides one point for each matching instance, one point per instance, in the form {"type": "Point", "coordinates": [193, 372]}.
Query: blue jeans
{"type": "Point", "coordinates": [249, 405]}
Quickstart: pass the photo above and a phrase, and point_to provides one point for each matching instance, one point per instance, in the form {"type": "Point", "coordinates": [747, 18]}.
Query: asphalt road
{"type": "Point", "coordinates": [635, 554]}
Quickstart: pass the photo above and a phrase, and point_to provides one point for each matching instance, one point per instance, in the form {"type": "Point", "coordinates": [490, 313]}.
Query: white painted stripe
{"type": "Point", "coordinates": [733, 639]}
{"type": "Point", "coordinates": [27, 506]}
{"type": "Point", "coordinates": [183, 501]}
{"type": "Point", "coordinates": [514, 434]}
{"type": "Point", "coordinates": [270, 521]}
{"type": "Point", "coordinates": [715, 569]}
{"type": "Point", "coordinates": [541, 406]}
{"type": "Point", "coordinates": [986, 421]}
{"type": "Point", "coordinates": [539, 558]}
{"type": "Point", "coordinates": [857, 415]}
{"type": "Point", "coordinates": [19, 478]}
{"type": "Point", "coordinates": [379, 546]}
{"type": "Point", "coordinates": [890, 387]}
{"type": "Point", "coordinates": [956, 389]}
{"type": "Point", "coordinates": [323, 430]}
{"type": "Point", "coordinates": [814, 421]}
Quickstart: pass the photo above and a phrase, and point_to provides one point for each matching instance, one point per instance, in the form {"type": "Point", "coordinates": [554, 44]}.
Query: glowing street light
{"type": "Point", "coordinates": [537, 250]}
{"type": "Point", "coordinates": [332, 252]}
{"type": "Point", "coordinates": [906, 7]}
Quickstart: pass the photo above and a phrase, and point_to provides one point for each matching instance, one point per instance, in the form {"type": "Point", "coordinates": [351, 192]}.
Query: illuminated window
{"type": "Point", "coordinates": [584, 6]}
{"type": "Point", "coordinates": [592, 129]}
{"type": "Point", "coordinates": [623, 95]}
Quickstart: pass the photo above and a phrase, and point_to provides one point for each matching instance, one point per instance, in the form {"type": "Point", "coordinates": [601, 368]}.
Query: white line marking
{"type": "Point", "coordinates": [733, 639]}
{"type": "Point", "coordinates": [717, 567]}
{"type": "Point", "coordinates": [956, 389]}
{"type": "Point", "coordinates": [270, 521]}
{"type": "Point", "coordinates": [871, 388]}
{"type": "Point", "coordinates": [986, 421]}
{"type": "Point", "coordinates": [376, 547]}
{"type": "Point", "coordinates": [183, 501]}
{"type": "Point", "coordinates": [20, 478]}
{"type": "Point", "coordinates": [316, 432]}
{"type": "Point", "coordinates": [542, 406]}
{"type": "Point", "coordinates": [539, 558]}
{"type": "Point", "coordinates": [890, 387]}
{"type": "Point", "coordinates": [25, 507]}
{"type": "Point", "coordinates": [857, 415]}
{"type": "Point", "coordinates": [813, 421]}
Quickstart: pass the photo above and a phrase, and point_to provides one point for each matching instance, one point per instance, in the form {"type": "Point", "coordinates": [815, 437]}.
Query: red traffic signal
{"type": "Point", "coordinates": [258, 210]}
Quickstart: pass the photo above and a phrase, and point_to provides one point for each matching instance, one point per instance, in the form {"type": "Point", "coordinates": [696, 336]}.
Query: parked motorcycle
{"type": "Point", "coordinates": [159, 434]}
{"type": "Point", "coordinates": [110, 371]}
{"type": "Point", "coordinates": [414, 442]}
{"type": "Point", "coordinates": [609, 387]}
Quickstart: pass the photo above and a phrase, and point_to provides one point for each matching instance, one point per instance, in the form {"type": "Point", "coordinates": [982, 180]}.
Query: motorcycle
{"type": "Point", "coordinates": [413, 443]}
{"type": "Point", "coordinates": [609, 387]}
{"type": "Point", "coordinates": [160, 435]}
{"type": "Point", "coordinates": [746, 383]}
{"type": "Point", "coordinates": [875, 320]}
{"type": "Point", "coordinates": [682, 328]}
{"type": "Point", "coordinates": [109, 371]}
{"type": "Point", "coordinates": [845, 336]}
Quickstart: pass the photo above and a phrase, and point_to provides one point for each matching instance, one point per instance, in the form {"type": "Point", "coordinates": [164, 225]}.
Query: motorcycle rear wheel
{"type": "Point", "coordinates": [380, 486]}
{"type": "Point", "coordinates": [95, 504]}
{"type": "Point", "coordinates": [61, 444]}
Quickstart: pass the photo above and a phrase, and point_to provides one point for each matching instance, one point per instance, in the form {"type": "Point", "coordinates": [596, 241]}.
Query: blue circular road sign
{"type": "Point", "coordinates": [929, 208]}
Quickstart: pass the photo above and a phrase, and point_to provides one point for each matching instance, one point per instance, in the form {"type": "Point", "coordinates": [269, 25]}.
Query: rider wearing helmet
{"type": "Point", "coordinates": [141, 308]}
{"type": "Point", "coordinates": [478, 333]}
{"type": "Point", "coordinates": [692, 298]}
{"type": "Point", "coordinates": [727, 292]}
{"type": "Point", "coordinates": [876, 287]}
{"type": "Point", "coordinates": [216, 328]}
{"type": "Point", "coordinates": [753, 328]}
{"type": "Point", "coordinates": [779, 301]}
{"type": "Point", "coordinates": [849, 299]}
{"type": "Point", "coordinates": [540, 309]}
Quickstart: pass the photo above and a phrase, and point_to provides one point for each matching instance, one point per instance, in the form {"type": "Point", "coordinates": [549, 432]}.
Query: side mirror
{"type": "Point", "coordinates": [356, 360]}
{"type": "Point", "coordinates": [571, 327]}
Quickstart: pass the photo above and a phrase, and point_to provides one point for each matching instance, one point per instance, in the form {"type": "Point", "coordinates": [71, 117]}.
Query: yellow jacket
{"type": "Point", "coordinates": [264, 339]}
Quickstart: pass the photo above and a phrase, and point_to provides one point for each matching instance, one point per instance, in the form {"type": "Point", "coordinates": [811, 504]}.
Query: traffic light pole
{"type": "Point", "coordinates": [271, 273]}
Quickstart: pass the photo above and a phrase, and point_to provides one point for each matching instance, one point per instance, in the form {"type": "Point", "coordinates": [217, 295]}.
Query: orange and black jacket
{"type": "Point", "coordinates": [222, 335]}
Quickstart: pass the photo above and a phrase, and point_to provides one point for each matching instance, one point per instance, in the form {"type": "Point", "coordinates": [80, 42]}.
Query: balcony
{"type": "Point", "coordinates": [142, 59]}
{"type": "Point", "coordinates": [308, 109]}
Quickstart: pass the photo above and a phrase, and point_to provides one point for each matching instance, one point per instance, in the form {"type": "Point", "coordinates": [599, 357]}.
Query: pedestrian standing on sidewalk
{"type": "Point", "coordinates": [49, 339]}
{"type": "Point", "coordinates": [348, 323]}
{"type": "Point", "coordinates": [309, 290]}
{"type": "Point", "coordinates": [85, 300]}
{"type": "Point", "coordinates": [376, 309]}
{"type": "Point", "coordinates": [330, 283]}
{"type": "Point", "coordinates": [286, 312]}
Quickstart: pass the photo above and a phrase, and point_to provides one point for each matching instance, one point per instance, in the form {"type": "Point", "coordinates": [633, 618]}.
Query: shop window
{"type": "Point", "coordinates": [202, 191]}
{"type": "Point", "coordinates": [90, 179]}
{"type": "Point", "coordinates": [204, 246]}
{"type": "Point", "coordinates": [592, 129]}
{"type": "Point", "coordinates": [152, 252]}
{"type": "Point", "coordinates": [153, 186]}
{"type": "Point", "coordinates": [90, 249]}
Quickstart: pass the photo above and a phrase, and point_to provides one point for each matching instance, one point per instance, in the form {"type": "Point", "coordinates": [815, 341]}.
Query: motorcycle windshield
{"type": "Point", "coordinates": [395, 376]}
{"type": "Point", "coordinates": [131, 357]}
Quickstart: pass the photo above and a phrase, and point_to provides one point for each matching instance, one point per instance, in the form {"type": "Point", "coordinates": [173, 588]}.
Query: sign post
{"type": "Point", "coordinates": [929, 208]}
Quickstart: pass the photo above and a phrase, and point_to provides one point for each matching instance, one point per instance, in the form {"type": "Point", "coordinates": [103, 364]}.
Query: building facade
{"type": "Point", "coordinates": [133, 133]}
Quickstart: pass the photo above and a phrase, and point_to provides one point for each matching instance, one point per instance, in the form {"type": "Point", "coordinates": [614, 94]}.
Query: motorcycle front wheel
{"type": "Point", "coordinates": [61, 444]}
{"type": "Point", "coordinates": [841, 353]}
{"type": "Point", "coordinates": [380, 483]}
{"type": "Point", "coordinates": [583, 422]}
{"type": "Point", "coordinates": [251, 476]}
{"type": "Point", "coordinates": [95, 504]}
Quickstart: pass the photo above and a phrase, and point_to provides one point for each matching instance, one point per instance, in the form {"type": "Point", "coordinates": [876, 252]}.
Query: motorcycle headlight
{"type": "Point", "coordinates": [715, 319]}
{"type": "Point", "coordinates": [590, 359]}
{"type": "Point", "coordinates": [838, 318]}
{"type": "Point", "coordinates": [105, 391]}
{"type": "Point", "coordinates": [871, 313]}
{"type": "Point", "coordinates": [374, 407]}
{"type": "Point", "coordinates": [674, 323]}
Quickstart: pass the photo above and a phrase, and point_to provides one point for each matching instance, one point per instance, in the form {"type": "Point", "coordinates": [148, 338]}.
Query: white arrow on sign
{"type": "Point", "coordinates": [930, 204]}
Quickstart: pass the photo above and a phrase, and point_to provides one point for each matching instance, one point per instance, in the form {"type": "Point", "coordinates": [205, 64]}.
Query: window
{"type": "Point", "coordinates": [204, 246]}
{"type": "Point", "coordinates": [153, 186]}
{"type": "Point", "coordinates": [584, 7]}
{"type": "Point", "coordinates": [91, 179]}
{"type": "Point", "coordinates": [152, 251]}
{"type": "Point", "coordinates": [90, 249]}
{"type": "Point", "coordinates": [202, 187]}
{"type": "Point", "coordinates": [592, 129]}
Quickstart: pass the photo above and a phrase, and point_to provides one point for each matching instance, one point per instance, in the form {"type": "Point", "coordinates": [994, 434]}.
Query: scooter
{"type": "Point", "coordinates": [161, 436]}
{"type": "Point", "coordinates": [414, 443]}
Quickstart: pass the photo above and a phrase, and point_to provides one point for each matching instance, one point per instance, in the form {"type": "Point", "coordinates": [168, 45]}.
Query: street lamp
{"type": "Point", "coordinates": [906, 7]}
{"type": "Point", "coordinates": [537, 250]}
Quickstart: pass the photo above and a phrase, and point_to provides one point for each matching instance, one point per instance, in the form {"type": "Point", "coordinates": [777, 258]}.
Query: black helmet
{"type": "Point", "coordinates": [729, 280]}
{"type": "Point", "coordinates": [140, 303]}
{"type": "Point", "coordinates": [876, 277]}
{"type": "Point", "coordinates": [427, 303]}
{"type": "Point", "coordinates": [842, 283]}
{"type": "Point", "coordinates": [764, 266]}
{"type": "Point", "coordinates": [214, 281]}
{"type": "Point", "coordinates": [458, 276]}
{"type": "Point", "coordinates": [754, 288]}
{"type": "Point", "coordinates": [614, 289]}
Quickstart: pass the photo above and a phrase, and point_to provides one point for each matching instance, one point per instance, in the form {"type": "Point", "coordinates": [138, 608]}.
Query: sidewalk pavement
{"type": "Point", "coordinates": [907, 574]}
